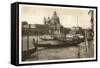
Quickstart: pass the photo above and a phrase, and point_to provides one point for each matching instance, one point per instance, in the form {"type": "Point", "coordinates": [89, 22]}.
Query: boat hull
{"type": "Point", "coordinates": [58, 43]}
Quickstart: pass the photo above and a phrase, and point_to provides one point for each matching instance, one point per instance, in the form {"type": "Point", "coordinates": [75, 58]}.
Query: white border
{"type": "Point", "coordinates": [26, 62]}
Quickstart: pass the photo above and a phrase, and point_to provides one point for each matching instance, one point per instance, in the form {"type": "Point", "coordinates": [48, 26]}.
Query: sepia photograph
{"type": "Point", "coordinates": [56, 33]}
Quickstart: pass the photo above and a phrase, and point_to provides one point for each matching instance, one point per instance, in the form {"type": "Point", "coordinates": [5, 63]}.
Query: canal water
{"type": "Point", "coordinates": [53, 53]}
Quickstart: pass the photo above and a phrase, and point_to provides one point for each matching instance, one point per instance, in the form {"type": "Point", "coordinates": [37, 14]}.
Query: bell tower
{"type": "Point", "coordinates": [45, 21]}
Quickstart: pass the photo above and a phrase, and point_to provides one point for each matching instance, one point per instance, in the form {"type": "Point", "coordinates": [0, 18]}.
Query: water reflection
{"type": "Point", "coordinates": [52, 53]}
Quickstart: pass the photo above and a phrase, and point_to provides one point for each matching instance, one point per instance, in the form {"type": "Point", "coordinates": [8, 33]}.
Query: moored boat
{"type": "Point", "coordinates": [58, 43]}
{"type": "Point", "coordinates": [50, 42]}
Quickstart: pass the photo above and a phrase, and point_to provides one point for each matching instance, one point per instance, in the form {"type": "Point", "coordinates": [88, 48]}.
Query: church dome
{"type": "Point", "coordinates": [55, 18]}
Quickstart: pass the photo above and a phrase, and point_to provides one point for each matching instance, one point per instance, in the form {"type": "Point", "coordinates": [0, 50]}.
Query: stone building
{"type": "Point", "coordinates": [51, 26]}
{"type": "Point", "coordinates": [53, 23]}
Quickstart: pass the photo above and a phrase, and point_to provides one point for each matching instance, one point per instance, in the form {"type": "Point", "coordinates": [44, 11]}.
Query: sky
{"type": "Point", "coordinates": [68, 16]}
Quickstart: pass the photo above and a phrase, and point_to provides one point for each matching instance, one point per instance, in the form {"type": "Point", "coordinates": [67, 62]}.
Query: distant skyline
{"type": "Point", "coordinates": [69, 17]}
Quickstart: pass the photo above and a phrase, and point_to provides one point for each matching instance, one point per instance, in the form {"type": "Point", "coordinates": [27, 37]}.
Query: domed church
{"type": "Point", "coordinates": [53, 23]}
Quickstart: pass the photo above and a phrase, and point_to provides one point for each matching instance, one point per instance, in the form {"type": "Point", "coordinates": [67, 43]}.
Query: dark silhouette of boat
{"type": "Point", "coordinates": [45, 39]}
{"type": "Point", "coordinates": [64, 41]}
{"type": "Point", "coordinates": [58, 43]}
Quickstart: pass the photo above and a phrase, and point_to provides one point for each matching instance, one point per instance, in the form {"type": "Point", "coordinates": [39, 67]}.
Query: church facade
{"type": "Point", "coordinates": [53, 23]}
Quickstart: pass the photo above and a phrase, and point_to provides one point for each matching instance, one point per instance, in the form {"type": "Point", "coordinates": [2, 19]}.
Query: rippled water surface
{"type": "Point", "coordinates": [53, 53]}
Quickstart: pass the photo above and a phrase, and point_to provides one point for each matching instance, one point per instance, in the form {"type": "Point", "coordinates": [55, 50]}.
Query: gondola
{"type": "Point", "coordinates": [58, 43]}
{"type": "Point", "coordinates": [47, 39]}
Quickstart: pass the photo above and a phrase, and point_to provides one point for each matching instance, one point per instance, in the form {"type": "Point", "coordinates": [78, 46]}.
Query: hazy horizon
{"type": "Point", "coordinates": [68, 16]}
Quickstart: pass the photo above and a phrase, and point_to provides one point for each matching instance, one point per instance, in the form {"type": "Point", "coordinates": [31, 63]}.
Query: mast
{"type": "Point", "coordinates": [77, 22]}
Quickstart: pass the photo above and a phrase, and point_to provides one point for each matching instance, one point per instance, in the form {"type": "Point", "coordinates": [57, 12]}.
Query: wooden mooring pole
{"type": "Point", "coordinates": [86, 44]}
{"type": "Point", "coordinates": [28, 42]}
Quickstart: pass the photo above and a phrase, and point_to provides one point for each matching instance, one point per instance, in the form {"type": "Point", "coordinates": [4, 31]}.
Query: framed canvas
{"type": "Point", "coordinates": [52, 33]}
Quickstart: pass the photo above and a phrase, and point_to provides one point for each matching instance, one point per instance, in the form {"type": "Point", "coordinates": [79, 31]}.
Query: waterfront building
{"type": "Point", "coordinates": [51, 26]}
{"type": "Point", "coordinates": [54, 24]}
